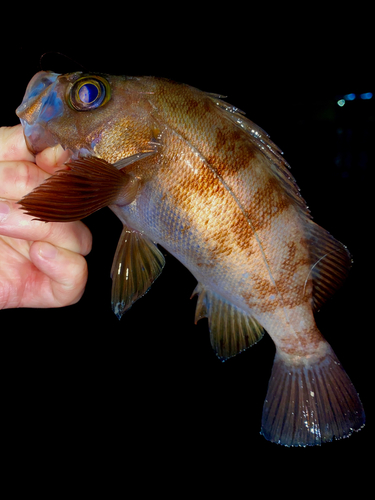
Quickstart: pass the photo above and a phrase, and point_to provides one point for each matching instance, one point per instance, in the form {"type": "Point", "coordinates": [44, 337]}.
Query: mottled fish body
{"type": "Point", "coordinates": [183, 169]}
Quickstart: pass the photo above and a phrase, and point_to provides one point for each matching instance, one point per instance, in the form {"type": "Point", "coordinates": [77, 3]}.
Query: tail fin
{"type": "Point", "coordinates": [310, 402]}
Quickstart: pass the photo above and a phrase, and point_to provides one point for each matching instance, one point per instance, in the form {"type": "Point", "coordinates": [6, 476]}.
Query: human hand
{"type": "Point", "coordinates": [41, 264]}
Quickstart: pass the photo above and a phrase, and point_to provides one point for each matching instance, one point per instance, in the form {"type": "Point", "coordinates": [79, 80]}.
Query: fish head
{"type": "Point", "coordinates": [85, 113]}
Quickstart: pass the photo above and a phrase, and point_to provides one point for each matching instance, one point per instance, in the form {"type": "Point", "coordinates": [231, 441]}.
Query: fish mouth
{"type": "Point", "coordinates": [40, 105]}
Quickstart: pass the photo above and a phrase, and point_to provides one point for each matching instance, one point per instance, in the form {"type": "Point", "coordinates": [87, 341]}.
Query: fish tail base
{"type": "Point", "coordinates": [310, 402]}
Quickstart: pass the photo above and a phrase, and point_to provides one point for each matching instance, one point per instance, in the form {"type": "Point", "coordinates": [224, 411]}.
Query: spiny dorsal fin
{"type": "Point", "coordinates": [231, 330]}
{"type": "Point", "coordinates": [278, 166]}
{"type": "Point", "coordinates": [136, 265]}
{"type": "Point", "coordinates": [331, 263]}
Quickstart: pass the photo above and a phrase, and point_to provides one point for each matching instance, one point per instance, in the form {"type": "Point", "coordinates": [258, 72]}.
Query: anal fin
{"type": "Point", "coordinates": [136, 265]}
{"type": "Point", "coordinates": [231, 330]}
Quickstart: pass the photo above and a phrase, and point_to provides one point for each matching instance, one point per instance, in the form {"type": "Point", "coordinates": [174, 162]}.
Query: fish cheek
{"type": "Point", "coordinates": [75, 132]}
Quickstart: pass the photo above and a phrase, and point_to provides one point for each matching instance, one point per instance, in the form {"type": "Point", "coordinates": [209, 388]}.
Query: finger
{"type": "Point", "coordinates": [51, 159]}
{"type": "Point", "coordinates": [74, 236]}
{"type": "Point", "coordinates": [67, 273]}
{"type": "Point", "coordinates": [12, 144]}
{"type": "Point", "coordinates": [18, 178]}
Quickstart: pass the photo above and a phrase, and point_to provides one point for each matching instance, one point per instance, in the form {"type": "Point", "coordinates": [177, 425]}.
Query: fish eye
{"type": "Point", "coordinates": [89, 93]}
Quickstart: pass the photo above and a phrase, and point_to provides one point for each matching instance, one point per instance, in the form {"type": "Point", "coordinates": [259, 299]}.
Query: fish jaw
{"type": "Point", "coordinates": [41, 103]}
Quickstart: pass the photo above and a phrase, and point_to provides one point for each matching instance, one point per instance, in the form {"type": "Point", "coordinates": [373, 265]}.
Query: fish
{"type": "Point", "coordinates": [187, 172]}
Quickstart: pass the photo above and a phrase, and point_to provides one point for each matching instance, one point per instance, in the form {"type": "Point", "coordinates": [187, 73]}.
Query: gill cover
{"type": "Point", "coordinates": [88, 92]}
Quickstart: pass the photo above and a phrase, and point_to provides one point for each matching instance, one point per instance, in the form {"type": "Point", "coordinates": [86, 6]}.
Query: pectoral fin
{"type": "Point", "coordinates": [136, 265]}
{"type": "Point", "coordinates": [231, 330]}
{"type": "Point", "coordinates": [88, 185]}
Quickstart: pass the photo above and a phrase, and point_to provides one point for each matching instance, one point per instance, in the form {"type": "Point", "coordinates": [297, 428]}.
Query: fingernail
{"type": "Point", "coordinates": [4, 211]}
{"type": "Point", "coordinates": [48, 251]}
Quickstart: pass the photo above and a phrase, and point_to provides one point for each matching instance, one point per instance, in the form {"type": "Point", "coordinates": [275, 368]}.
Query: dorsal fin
{"type": "Point", "coordinates": [331, 263]}
{"type": "Point", "coordinates": [231, 330]}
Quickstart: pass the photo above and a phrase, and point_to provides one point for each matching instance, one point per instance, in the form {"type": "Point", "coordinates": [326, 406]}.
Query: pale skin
{"type": "Point", "coordinates": [41, 264]}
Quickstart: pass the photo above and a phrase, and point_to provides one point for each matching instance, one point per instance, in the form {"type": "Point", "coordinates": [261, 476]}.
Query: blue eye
{"type": "Point", "coordinates": [89, 93]}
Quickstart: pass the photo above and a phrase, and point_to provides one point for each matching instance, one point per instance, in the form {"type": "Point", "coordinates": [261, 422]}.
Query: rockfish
{"type": "Point", "coordinates": [185, 170]}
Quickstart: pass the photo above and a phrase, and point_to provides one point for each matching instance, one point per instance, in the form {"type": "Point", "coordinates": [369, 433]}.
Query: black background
{"type": "Point", "coordinates": [81, 385]}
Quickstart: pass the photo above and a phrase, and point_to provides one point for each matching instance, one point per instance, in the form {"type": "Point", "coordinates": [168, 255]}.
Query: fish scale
{"type": "Point", "coordinates": [185, 170]}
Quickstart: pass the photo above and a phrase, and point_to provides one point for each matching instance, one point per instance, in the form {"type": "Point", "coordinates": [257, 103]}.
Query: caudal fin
{"type": "Point", "coordinates": [310, 403]}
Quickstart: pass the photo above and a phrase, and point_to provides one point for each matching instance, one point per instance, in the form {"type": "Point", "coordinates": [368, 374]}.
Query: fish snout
{"type": "Point", "coordinates": [37, 86]}
{"type": "Point", "coordinates": [41, 104]}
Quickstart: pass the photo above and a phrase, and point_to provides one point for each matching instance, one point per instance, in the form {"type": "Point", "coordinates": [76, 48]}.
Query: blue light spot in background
{"type": "Point", "coordinates": [352, 97]}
